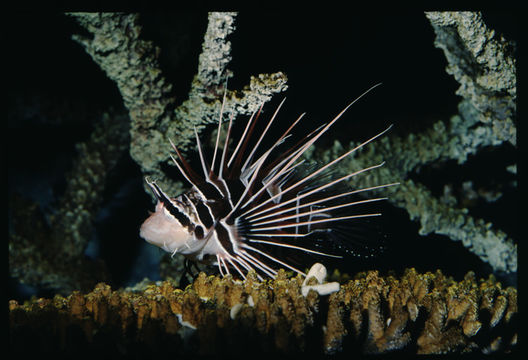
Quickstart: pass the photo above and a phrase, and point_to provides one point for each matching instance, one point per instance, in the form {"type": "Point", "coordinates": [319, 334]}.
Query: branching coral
{"type": "Point", "coordinates": [50, 252]}
{"type": "Point", "coordinates": [483, 64]}
{"type": "Point", "coordinates": [132, 63]}
{"type": "Point", "coordinates": [486, 71]}
{"type": "Point", "coordinates": [422, 313]}
{"type": "Point", "coordinates": [477, 58]}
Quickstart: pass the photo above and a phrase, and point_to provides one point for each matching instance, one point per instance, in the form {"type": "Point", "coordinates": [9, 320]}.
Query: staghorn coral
{"type": "Point", "coordinates": [417, 313]}
{"type": "Point", "coordinates": [483, 65]}
{"type": "Point", "coordinates": [132, 64]}
{"type": "Point", "coordinates": [49, 252]}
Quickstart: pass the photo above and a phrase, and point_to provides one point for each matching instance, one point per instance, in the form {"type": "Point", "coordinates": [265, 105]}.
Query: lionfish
{"type": "Point", "coordinates": [246, 207]}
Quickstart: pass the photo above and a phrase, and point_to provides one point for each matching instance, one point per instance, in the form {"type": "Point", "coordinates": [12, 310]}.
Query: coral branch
{"type": "Point", "coordinates": [483, 65]}
{"type": "Point", "coordinates": [423, 313]}
{"type": "Point", "coordinates": [132, 63]}
{"type": "Point", "coordinates": [86, 182]}
{"type": "Point", "coordinates": [486, 72]}
{"type": "Point", "coordinates": [51, 253]}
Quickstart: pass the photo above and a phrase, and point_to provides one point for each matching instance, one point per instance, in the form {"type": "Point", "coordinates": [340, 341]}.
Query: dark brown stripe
{"type": "Point", "coordinates": [210, 191]}
{"type": "Point", "coordinates": [204, 214]}
{"type": "Point", "coordinates": [173, 210]}
{"type": "Point", "coordinates": [180, 216]}
{"type": "Point", "coordinates": [223, 237]}
{"type": "Point", "coordinates": [223, 189]}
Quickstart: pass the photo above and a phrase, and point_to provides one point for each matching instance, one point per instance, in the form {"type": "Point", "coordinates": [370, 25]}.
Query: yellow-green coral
{"type": "Point", "coordinates": [426, 313]}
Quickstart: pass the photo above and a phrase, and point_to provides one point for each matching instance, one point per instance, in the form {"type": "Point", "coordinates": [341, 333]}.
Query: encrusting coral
{"type": "Point", "coordinates": [417, 313]}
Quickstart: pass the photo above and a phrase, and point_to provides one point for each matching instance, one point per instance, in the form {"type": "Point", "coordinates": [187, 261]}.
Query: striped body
{"type": "Point", "coordinates": [252, 201]}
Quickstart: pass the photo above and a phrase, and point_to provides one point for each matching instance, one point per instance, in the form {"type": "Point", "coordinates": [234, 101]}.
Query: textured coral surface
{"type": "Point", "coordinates": [483, 64]}
{"type": "Point", "coordinates": [416, 313]}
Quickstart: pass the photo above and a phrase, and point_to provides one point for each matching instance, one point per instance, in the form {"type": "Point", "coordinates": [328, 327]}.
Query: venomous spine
{"type": "Point", "coordinates": [249, 202]}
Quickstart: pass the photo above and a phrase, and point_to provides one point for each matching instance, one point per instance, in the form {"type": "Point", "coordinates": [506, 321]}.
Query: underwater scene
{"type": "Point", "coordinates": [241, 184]}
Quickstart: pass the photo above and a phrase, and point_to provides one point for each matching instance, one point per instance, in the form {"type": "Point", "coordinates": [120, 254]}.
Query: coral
{"type": "Point", "coordinates": [485, 69]}
{"type": "Point", "coordinates": [417, 313]}
{"type": "Point", "coordinates": [483, 65]}
{"type": "Point", "coordinates": [132, 63]}
{"type": "Point", "coordinates": [49, 252]}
